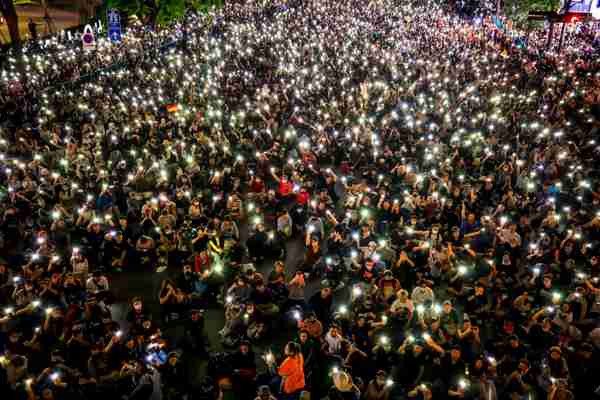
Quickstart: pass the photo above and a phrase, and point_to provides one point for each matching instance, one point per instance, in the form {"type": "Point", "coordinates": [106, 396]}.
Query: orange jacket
{"type": "Point", "coordinates": [292, 370]}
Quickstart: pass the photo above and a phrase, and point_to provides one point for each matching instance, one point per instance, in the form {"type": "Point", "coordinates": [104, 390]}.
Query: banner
{"type": "Point", "coordinates": [114, 25]}
{"type": "Point", "coordinates": [87, 38]}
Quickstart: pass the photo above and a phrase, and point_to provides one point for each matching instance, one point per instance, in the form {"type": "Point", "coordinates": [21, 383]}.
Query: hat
{"type": "Point", "coordinates": [447, 302]}
{"type": "Point", "coordinates": [555, 349]}
{"type": "Point", "coordinates": [513, 337]}
{"type": "Point", "coordinates": [325, 284]}
{"type": "Point", "coordinates": [342, 381]}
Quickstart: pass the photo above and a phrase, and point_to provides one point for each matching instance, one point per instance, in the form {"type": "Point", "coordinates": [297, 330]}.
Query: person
{"type": "Point", "coordinates": [243, 365]}
{"type": "Point", "coordinates": [320, 303]}
{"type": "Point", "coordinates": [290, 372]}
{"type": "Point", "coordinates": [378, 388]}
{"type": "Point", "coordinates": [173, 377]}
{"type": "Point", "coordinates": [264, 393]}
{"type": "Point", "coordinates": [32, 29]}
{"type": "Point", "coordinates": [343, 388]}
{"type": "Point", "coordinates": [311, 325]}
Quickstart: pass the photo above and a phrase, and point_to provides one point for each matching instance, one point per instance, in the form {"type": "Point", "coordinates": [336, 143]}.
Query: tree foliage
{"type": "Point", "coordinates": [517, 10]}
{"type": "Point", "coordinates": [160, 12]}
{"type": "Point", "coordinates": [7, 8]}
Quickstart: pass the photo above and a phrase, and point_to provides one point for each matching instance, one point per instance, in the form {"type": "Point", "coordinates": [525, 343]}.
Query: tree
{"type": "Point", "coordinates": [170, 10]}
{"type": "Point", "coordinates": [87, 9]}
{"type": "Point", "coordinates": [517, 10]}
{"type": "Point", "coordinates": [7, 8]}
{"type": "Point", "coordinates": [160, 12]}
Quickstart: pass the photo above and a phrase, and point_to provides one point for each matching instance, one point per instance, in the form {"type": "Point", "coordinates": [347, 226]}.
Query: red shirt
{"type": "Point", "coordinates": [302, 197]}
{"type": "Point", "coordinates": [257, 187]}
{"type": "Point", "coordinates": [285, 188]}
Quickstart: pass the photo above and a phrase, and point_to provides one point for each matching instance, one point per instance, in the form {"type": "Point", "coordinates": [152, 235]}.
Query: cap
{"type": "Point", "coordinates": [447, 302]}
{"type": "Point", "coordinates": [325, 284]}
{"type": "Point", "coordinates": [555, 349]}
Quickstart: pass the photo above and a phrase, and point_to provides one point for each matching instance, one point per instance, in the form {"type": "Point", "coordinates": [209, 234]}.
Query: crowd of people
{"type": "Point", "coordinates": [441, 182]}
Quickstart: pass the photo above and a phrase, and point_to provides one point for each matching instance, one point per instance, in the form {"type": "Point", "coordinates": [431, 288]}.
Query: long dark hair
{"type": "Point", "coordinates": [293, 348]}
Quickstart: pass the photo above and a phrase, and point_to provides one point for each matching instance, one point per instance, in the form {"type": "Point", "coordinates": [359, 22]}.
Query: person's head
{"type": "Point", "coordinates": [259, 282]}
{"type": "Point", "coordinates": [244, 347]}
{"type": "Point", "coordinates": [314, 241]}
{"type": "Point", "coordinates": [402, 294]}
{"type": "Point", "coordinates": [523, 365]}
{"type": "Point", "coordinates": [137, 304]}
{"type": "Point", "coordinates": [264, 392]}
{"type": "Point", "coordinates": [342, 381]}
{"type": "Point", "coordinates": [325, 289]}
{"type": "Point", "coordinates": [513, 341]}
{"type": "Point", "coordinates": [555, 353]}
{"type": "Point", "coordinates": [173, 358]}
{"type": "Point", "coordinates": [333, 331]}
{"type": "Point", "coordinates": [279, 266]}
{"type": "Point", "coordinates": [291, 349]}
{"type": "Point", "coordinates": [47, 394]}
{"type": "Point", "coordinates": [471, 218]}
{"type": "Point", "coordinates": [447, 307]}
{"type": "Point", "coordinates": [303, 336]}
{"type": "Point", "coordinates": [13, 336]}
{"type": "Point", "coordinates": [380, 377]}
{"type": "Point", "coordinates": [361, 321]}
{"type": "Point", "coordinates": [547, 281]}
{"type": "Point", "coordinates": [455, 232]}
{"type": "Point", "coordinates": [455, 353]}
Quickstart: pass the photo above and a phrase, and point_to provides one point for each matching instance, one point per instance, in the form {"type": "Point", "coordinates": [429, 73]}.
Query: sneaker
{"type": "Point", "coordinates": [162, 268]}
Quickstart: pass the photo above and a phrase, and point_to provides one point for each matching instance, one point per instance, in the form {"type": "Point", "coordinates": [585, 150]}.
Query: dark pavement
{"type": "Point", "coordinates": [147, 284]}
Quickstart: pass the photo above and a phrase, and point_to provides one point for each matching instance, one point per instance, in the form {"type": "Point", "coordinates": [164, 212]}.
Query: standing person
{"type": "Point", "coordinates": [321, 302]}
{"type": "Point", "coordinates": [290, 372]}
{"type": "Point", "coordinates": [32, 29]}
